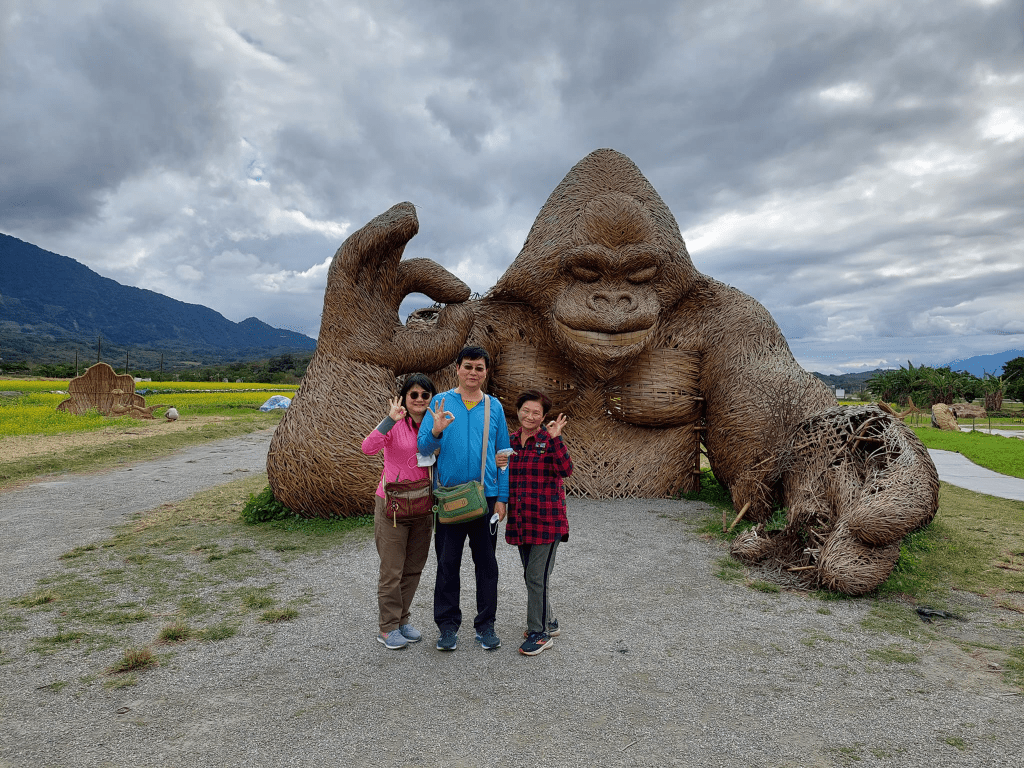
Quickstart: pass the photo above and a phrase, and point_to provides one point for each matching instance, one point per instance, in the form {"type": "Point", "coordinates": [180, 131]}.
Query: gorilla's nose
{"type": "Point", "coordinates": [619, 301]}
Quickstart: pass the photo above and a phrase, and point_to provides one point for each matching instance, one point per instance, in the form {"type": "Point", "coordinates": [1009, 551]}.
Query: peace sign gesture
{"type": "Point", "coordinates": [442, 418]}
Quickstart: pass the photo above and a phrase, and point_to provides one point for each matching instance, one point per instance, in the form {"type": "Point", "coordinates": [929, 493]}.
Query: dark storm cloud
{"type": "Point", "coordinates": [88, 104]}
{"type": "Point", "coordinates": [855, 167]}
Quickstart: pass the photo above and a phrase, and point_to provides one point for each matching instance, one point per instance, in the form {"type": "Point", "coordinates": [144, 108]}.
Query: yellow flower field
{"type": "Point", "coordinates": [35, 412]}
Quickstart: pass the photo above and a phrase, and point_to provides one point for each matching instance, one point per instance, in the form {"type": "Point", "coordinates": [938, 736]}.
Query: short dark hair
{"type": "Point", "coordinates": [474, 353]}
{"type": "Point", "coordinates": [420, 380]}
{"type": "Point", "coordinates": [534, 394]}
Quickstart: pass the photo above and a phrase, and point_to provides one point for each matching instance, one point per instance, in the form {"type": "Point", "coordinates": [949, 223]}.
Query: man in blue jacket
{"type": "Point", "coordinates": [454, 423]}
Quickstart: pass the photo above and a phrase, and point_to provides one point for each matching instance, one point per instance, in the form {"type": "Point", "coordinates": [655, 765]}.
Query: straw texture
{"type": "Point", "coordinates": [110, 393]}
{"type": "Point", "coordinates": [604, 310]}
{"type": "Point", "coordinates": [856, 482]}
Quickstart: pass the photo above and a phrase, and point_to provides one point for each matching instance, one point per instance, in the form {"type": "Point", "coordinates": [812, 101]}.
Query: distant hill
{"type": "Point", "coordinates": [851, 382]}
{"type": "Point", "coordinates": [49, 301]}
{"type": "Point", "coordinates": [981, 364]}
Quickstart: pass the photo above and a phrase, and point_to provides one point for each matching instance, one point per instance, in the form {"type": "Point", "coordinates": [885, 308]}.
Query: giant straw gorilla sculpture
{"type": "Point", "coordinates": [648, 357]}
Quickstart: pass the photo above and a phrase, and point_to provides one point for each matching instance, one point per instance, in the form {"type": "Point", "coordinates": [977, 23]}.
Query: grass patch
{"type": "Point", "coordinates": [133, 659]}
{"type": "Point", "coordinates": [968, 546]}
{"type": "Point", "coordinates": [63, 639]}
{"type": "Point", "coordinates": [730, 569]}
{"type": "Point", "coordinates": [55, 687]}
{"type": "Point", "coordinates": [1000, 454]}
{"type": "Point", "coordinates": [765, 586]}
{"type": "Point", "coordinates": [78, 552]}
{"type": "Point", "coordinates": [41, 597]}
{"type": "Point", "coordinates": [12, 622]}
{"type": "Point", "coordinates": [121, 681]}
{"type": "Point", "coordinates": [278, 615]}
{"type": "Point", "coordinates": [256, 598]}
{"type": "Point", "coordinates": [176, 632]}
{"type": "Point", "coordinates": [1013, 669]}
{"type": "Point", "coordinates": [217, 632]}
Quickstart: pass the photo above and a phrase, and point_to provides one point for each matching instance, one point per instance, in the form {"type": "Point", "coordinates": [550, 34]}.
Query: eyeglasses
{"type": "Point", "coordinates": [418, 395]}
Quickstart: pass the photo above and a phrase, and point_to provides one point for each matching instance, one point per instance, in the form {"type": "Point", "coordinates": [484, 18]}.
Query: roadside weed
{"type": "Point", "coordinates": [133, 659]}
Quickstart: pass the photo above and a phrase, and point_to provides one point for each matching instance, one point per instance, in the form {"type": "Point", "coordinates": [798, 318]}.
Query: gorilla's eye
{"type": "Point", "coordinates": [584, 273]}
{"type": "Point", "coordinates": [644, 275]}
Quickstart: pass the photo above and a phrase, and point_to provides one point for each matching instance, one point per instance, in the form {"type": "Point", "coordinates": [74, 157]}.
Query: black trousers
{"type": "Point", "coordinates": [449, 543]}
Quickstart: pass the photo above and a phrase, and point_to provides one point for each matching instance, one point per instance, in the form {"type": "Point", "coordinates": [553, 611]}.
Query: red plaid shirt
{"type": "Point", "coordinates": [536, 498]}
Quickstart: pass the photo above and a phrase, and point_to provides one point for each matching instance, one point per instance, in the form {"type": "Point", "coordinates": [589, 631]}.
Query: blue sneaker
{"type": "Point", "coordinates": [393, 640]}
{"type": "Point", "coordinates": [535, 643]}
{"type": "Point", "coordinates": [410, 633]}
{"type": "Point", "coordinates": [487, 639]}
{"type": "Point", "coordinates": [448, 640]}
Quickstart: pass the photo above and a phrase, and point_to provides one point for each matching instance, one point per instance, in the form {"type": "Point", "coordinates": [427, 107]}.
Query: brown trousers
{"type": "Point", "coordinates": [403, 551]}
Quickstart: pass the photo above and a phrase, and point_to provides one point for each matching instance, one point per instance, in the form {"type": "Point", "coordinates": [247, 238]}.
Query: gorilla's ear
{"type": "Point", "coordinates": [581, 203]}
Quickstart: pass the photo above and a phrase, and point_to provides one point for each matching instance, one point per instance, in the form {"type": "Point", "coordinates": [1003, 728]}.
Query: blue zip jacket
{"type": "Point", "coordinates": [459, 458]}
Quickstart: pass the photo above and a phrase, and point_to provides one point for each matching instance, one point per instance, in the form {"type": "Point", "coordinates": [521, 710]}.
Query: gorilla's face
{"type": "Point", "coordinates": [612, 285]}
{"type": "Point", "coordinates": [607, 307]}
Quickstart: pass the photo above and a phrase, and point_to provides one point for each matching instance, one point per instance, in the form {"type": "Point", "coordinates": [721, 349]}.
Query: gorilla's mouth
{"type": "Point", "coordinates": [602, 339]}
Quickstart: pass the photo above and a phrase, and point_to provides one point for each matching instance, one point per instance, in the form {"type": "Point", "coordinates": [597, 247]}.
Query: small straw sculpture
{"type": "Point", "coordinates": [944, 417]}
{"type": "Point", "coordinates": [110, 393]}
{"type": "Point", "coordinates": [648, 358]}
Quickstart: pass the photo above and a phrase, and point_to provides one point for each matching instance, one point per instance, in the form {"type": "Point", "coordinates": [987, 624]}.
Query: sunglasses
{"type": "Point", "coordinates": [418, 395]}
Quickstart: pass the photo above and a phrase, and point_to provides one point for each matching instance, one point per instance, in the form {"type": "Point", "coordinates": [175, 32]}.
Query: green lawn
{"type": "Point", "coordinates": [1000, 454]}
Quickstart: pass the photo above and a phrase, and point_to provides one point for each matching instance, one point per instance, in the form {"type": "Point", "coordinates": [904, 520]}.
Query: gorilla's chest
{"type": "Point", "coordinates": [661, 388]}
{"type": "Point", "coordinates": [630, 435]}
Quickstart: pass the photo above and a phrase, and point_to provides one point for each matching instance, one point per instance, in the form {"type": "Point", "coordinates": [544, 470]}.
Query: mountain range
{"type": "Point", "coordinates": [50, 303]}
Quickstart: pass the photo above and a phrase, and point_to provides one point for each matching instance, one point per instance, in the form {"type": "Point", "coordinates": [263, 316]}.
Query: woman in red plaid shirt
{"type": "Point", "coordinates": [536, 510]}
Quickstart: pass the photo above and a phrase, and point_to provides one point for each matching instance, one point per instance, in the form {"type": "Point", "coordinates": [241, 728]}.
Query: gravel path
{"type": "Point", "coordinates": [660, 662]}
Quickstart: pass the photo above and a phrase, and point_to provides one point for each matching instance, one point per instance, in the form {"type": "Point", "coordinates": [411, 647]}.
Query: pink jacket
{"type": "Point", "coordinates": [399, 446]}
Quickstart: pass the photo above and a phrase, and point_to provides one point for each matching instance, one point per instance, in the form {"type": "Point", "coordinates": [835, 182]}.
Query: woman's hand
{"type": "Point", "coordinates": [396, 412]}
{"type": "Point", "coordinates": [555, 426]}
{"type": "Point", "coordinates": [442, 418]}
{"type": "Point", "coordinates": [502, 509]}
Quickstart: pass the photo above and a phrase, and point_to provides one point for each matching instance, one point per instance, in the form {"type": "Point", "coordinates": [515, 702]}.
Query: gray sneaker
{"type": "Point", "coordinates": [487, 639]}
{"type": "Point", "coordinates": [410, 633]}
{"type": "Point", "coordinates": [393, 640]}
{"type": "Point", "coordinates": [448, 640]}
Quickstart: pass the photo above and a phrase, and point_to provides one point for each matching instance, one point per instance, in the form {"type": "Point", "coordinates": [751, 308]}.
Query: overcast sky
{"type": "Point", "coordinates": [855, 166]}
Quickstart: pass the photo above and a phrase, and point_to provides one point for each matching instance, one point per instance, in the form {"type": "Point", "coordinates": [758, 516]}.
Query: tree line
{"type": "Point", "coordinates": [926, 386]}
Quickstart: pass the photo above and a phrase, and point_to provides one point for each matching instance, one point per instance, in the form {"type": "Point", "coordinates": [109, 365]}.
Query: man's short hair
{"type": "Point", "coordinates": [474, 353]}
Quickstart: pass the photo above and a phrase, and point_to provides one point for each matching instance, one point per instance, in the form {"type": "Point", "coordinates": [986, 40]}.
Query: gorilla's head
{"type": "Point", "coordinates": [602, 262]}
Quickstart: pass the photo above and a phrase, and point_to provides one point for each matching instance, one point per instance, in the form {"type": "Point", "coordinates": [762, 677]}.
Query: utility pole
{"type": "Point", "coordinates": [76, 362]}
{"type": "Point", "coordinates": [99, 346]}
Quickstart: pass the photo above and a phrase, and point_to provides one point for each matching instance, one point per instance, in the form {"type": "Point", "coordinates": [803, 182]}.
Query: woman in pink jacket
{"type": "Point", "coordinates": [402, 544]}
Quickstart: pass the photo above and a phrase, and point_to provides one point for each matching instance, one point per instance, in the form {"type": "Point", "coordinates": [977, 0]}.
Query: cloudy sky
{"type": "Point", "coordinates": [855, 166]}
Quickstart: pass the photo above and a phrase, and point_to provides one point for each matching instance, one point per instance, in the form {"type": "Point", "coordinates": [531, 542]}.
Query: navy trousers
{"type": "Point", "coordinates": [449, 543]}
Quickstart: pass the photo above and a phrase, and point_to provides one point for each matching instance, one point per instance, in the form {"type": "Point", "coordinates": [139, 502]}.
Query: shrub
{"type": "Point", "coordinates": [263, 508]}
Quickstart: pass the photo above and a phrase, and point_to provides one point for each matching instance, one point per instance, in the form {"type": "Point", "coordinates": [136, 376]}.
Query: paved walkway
{"type": "Point", "coordinates": [956, 469]}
